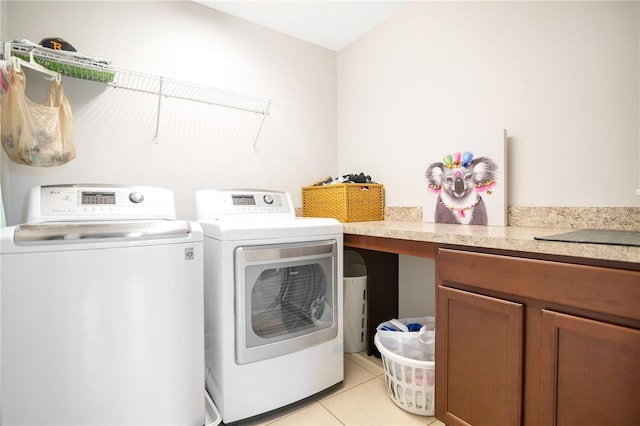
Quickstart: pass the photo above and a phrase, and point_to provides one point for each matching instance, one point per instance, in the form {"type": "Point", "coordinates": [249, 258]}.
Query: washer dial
{"type": "Point", "coordinates": [136, 197]}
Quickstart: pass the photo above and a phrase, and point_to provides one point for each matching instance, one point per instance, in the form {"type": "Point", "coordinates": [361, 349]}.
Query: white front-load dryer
{"type": "Point", "coordinates": [102, 310]}
{"type": "Point", "coordinates": [273, 301]}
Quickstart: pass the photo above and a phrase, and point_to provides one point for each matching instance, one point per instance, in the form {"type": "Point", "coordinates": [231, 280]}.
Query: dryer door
{"type": "Point", "coordinates": [286, 298]}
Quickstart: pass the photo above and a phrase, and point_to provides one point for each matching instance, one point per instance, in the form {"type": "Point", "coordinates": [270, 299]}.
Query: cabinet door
{"type": "Point", "coordinates": [590, 372]}
{"type": "Point", "coordinates": [479, 344]}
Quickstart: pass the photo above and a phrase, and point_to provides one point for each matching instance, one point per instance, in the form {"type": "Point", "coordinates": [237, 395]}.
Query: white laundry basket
{"type": "Point", "coordinates": [410, 383]}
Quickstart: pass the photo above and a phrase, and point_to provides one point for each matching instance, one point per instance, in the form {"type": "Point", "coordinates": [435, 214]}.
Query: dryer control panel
{"type": "Point", "coordinates": [215, 203]}
{"type": "Point", "coordinates": [57, 203]}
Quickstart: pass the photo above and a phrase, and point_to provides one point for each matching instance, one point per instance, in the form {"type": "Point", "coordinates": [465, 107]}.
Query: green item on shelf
{"type": "Point", "coordinates": [76, 71]}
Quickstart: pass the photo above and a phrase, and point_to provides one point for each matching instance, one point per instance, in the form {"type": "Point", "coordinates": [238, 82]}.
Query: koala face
{"type": "Point", "coordinates": [458, 182]}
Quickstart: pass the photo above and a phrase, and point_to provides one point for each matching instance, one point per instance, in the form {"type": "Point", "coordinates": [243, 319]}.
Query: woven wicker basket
{"type": "Point", "coordinates": [347, 202]}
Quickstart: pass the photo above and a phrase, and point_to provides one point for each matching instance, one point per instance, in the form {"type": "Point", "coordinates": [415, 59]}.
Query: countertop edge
{"type": "Point", "coordinates": [493, 237]}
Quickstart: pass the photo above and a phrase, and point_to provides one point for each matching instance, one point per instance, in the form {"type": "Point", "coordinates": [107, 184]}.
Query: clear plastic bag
{"type": "Point", "coordinates": [418, 345]}
{"type": "Point", "coordinates": [34, 134]}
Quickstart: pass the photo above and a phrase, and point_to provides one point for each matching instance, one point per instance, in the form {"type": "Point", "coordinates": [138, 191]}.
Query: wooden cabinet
{"type": "Point", "coordinates": [535, 342]}
{"type": "Point", "coordinates": [590, 372]}
{"type": "Point", "coordinates": [480, 352]}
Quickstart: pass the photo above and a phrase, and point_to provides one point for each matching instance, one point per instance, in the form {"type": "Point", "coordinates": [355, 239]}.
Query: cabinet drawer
{"type": "Point", "coordinates": [599, 289]}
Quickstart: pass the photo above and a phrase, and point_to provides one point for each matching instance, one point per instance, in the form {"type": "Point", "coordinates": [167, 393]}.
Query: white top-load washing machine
{"type": "Point", "coordinates": [273, 301]}
{"type": "Point", "coordinates": [102, 310]}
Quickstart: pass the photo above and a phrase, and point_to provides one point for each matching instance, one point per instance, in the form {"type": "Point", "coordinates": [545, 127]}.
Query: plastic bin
{"type": "Point", "coordinates": [355, 308]}
{"type": "Point", "coordinates": [410, 382]}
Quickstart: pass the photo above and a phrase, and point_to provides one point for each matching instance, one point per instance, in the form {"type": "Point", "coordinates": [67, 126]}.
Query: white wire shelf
{"type": "Point", "coordinates": [78, 66]}
{"type": "Point", "coordinates": [177, 89]}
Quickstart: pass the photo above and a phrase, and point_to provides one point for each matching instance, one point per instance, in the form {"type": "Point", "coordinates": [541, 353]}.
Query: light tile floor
{"type": "Point", "coordinates": [362, 399]}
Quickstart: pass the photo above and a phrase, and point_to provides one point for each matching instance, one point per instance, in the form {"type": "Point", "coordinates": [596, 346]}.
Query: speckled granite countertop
{"type": "Point", "coordinates": [494, 237]}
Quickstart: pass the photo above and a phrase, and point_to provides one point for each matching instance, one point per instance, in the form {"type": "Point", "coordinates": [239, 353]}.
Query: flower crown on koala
{"type": "Point", "coordinates": [459, 160]}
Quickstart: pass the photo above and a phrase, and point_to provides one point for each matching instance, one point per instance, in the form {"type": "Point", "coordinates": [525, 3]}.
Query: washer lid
{"type": "Point", "coordinates": [73, 232]}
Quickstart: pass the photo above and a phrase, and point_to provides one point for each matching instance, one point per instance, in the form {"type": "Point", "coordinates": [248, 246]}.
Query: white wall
{"type": "Point", "coordinates": [561, 77]}
{"type": "Point", "coordinates": [200, 146]}
{"type": "Point", "coordinates": [416, 287]}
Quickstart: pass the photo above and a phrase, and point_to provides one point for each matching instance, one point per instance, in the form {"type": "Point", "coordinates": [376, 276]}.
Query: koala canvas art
{"type": "Point", "coordinates": [459, 180]}
{"type": "Point", "coordinates": [466, 188]}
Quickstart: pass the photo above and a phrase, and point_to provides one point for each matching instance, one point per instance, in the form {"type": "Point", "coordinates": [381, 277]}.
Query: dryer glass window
{"type": "Point", "coordinates": [290, 300]}
{"type": "Point", "coordinates": [286, 298]}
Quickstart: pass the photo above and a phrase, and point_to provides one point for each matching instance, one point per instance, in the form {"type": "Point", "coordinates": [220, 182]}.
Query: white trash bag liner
{"type": "Point", "coordinates": [418, 344]}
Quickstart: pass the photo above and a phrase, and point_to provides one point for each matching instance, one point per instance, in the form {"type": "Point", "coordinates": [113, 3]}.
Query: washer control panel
{"type": "Point", "coordinates": [99, 202]}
